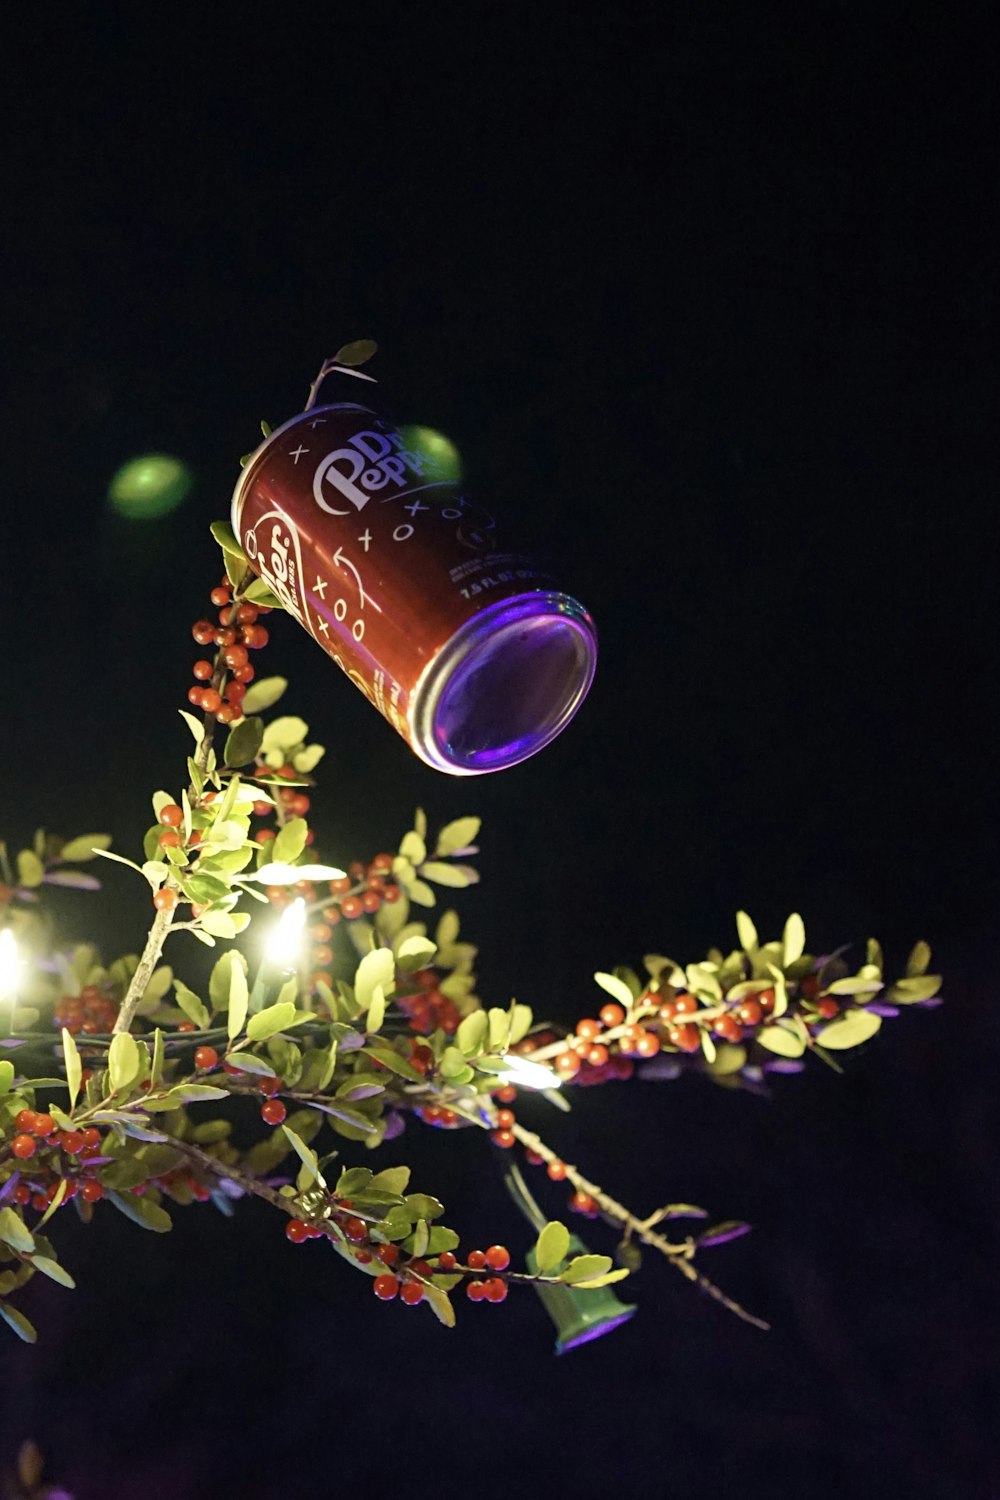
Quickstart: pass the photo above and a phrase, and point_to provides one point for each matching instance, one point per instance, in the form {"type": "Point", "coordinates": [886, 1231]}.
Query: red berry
{"type": "Point", "coordinates": [498, 1257]}
{"type": "Point", "coordinates": [297, 1230]}
{"type": "Point", "coordinates": [235, 656]}
{"type": "Point", "coordinates": [273, 1112]}
{"type": "Point", "coordinates": [446, 1261]}
{"type": "Point", "coordinates": [25, 1120]}
{"type": "Point", "coordinates": [226, 713]}
{"type": "Point", "coordinates": [828, 1007]}
{"type": "Point", "coordinates": [386, 1287]}
{"type": "Point", "coordinates": [475, 1291]}
{"type": "Point", "coordinates": [685, 1038]}
{"type": "Point", "coordinates": [205, 1058]}
{"type": "Point", "coordinates": [187, 1026]}
{"type": "Point", "coordinates": [202, 670]}
{"type": "Point", "coordinates": [256, 636]}
{"type": "Point", "coordinates": [503, 1138]}
{"type": "Point", "coordinates": [355, 1229]}
{"type": "Point", "coordinates": [728, 1028]}
{"type": "Point", "coordinates": [43, 1125]}
{"type": "Point", "coordinates": [476, 1260]}
{"type": "Point", "coordinates": [203, 632]}
{"type": "Point", "coordinates": [647, 1045]}
{"type": "Point", "coordinates": [749, 1012]}
{"type": "Point", "coordinates": [220, 595]}
{"type": "Point", "coordinates": [556, 1170]}
{"type": "Point", "coordinates": [73, 1141]}
{"type": "Point", "coordinates": [171, 816]}
{"type": "Point", "coordinates": [211, 701]}
{"type": "Point", "coordinates": [22, 1193]}
{"type": "Point", "coordinates": [505, 1119]}
{"type": "Point", "coordinates": [495, 1289]}
{"type": "Point", "coordinates": [588, 1029]}
{"type": "Point", "coordinates": [165, 899]}
{"type": "Point", "coordinates": [24, 1146]}
{"type": "Point", "coordinates": [171, 839]}
{"type": "Point", "coordinates": [583, 1203]}
{"type": "Point", "coordinates": [612, 1015]}
{"type": "Point", "coordinates": [388, 1254]}
{"type": "Point", "coordinates": [567, 1064]}
{"type": "Point", "coordinates": [507, 1094]}
{"type": "Point", "coordinates": [685, 1005]}
{"type": "Point", "coordinates": [412, 1293]}
{"type": "Point", "coordinates": [597, 1055]}
{"type": "Point", "coordinates": [91, 1191]}
{"type": "Point", "coordinates": [350, 907]}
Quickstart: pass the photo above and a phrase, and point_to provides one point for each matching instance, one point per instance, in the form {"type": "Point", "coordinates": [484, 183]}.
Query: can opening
{"type": "Point", "coordinates": [519, 677]}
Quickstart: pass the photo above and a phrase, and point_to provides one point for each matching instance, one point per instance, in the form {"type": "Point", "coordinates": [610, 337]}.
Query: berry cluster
{"type": "Point", "coordinates": [93, 1012]}
{"type": "Point", "coordinates": [39, 1142]}
{"type": "Point", "coordinates": [235, 636]}
{"type": "Point", "coordinates": [425, 1006]}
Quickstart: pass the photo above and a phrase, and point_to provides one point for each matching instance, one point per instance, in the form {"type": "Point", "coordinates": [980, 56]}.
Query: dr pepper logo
{"type": "Point", "coordinates": [370, 461]}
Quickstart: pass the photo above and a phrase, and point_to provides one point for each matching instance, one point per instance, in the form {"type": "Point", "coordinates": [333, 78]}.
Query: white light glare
{"type": "Point", "coordinates": [10, 965]}
{"type": "Point", "coordinates": [525, 1074]}
{"type": "Point", "coordinates": [284, 943]}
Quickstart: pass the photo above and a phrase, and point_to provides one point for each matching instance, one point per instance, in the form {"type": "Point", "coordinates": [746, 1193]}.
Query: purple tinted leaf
{"type": "Point", "coordinates": [73, 878]}
{"type": "Point", "coordinates": [719, 1234]}
{"type": "Point", "coordinates": [8, 1188]}
{"type": "Point", "coordinates": [784, 1065]}
{"type": "Point", "coordinates": [881, 1009]}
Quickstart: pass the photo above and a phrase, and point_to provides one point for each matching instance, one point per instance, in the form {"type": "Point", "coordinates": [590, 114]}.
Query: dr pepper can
{"type": "Point", "coordinates": [366, 535]}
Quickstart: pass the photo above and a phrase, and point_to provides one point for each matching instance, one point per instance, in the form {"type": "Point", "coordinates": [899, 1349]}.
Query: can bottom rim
{"type": "Point", "coordinates": [505, 685]}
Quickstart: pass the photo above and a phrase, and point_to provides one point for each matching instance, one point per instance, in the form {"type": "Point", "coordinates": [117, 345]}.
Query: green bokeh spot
{"type": "Point", "coordinates": [150, 486]}
{"type": "Point", "coordinates": [436, 447]}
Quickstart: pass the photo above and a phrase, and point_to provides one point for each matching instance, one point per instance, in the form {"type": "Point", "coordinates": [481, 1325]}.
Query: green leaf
{"type": "Point", "coordinates": [420, 892]}
{"type": "Point", "coordinates": [306, 1155]}
{"type": "Point", "coordinates": [249, 1062]}
{"type": "Point", "coordinates": [421, 1238]}
{"type": "Point", "coordinates": [282, 874]}
{"type": "Point", "coordinates": [472, 1033]}
{"type": "Point", "coordinates": [226, 538]}
{"type": "Point", "coordinates": [259, 593]}
{"type": "Point", "coordinates": [285, 733]}
{"type": "Point", "coordinates": [393, 1061]}
{"type": "Point", "coordinates": [239, 999]}
{"type": "Point", "coordinates": [746, 932]}
{"type": "Point", "coordinates": [777, 1038]}
{"type": "Point", "coordinates": [592, 1284]}
{"type": "Point", "coordinates": [415, 952]}
{"type": "Point", "coordinates": [392, 1179]}
{"type": "Point", "coordinates": [423, 1206]}
{"type": "Point", "coordinates": [586, 1267]}
{"type": "Point", "coordinates": [376, 1011]}
{"type": "Point", "coordinates": [616, 988]}
{"type": "Point", "coordinates": [358, 352]}
{"type": "Point", "coordinates": [438, 1302]}
{"type": "Point", "coordinates": [74, 1067]}
{"type": "Point", "coordinates": [551, 1247]}
{"type": "Point", "coordinates": [264, 694]}
{"type": "Point", "coordinates": [849, 1030]}
{"type": "Point", "coordinates": [912, 990]}
{"type": "Point", "coordinates": [459, 834]}
{"type": "Point", "coordinates": [219, 982]}
{"type": "Point", "coordinates": [193, 1008]}
{"type": "Point", "coordinates": [142, 1211]}
{"type": "Point", "coordinates": [77, 850]}
{"type": "Point", "coordinates": [7, 1075]}
{"type": "Point", "coordinates": [450, 875]}
{"type": "Point", "coordinates": [290, 842]}
{"type": "Point", "coordinates": [375, 971]}
{"type": "Point", "coordinates": [20, 1324]}
{"type": "Point", "coordinates": [195, 725]}
{"type": "Point", "coordinates": [15, 1232]}
{"type": "Point", "coordinates": [156, 1066]}
{"type": "Point", "coordinates": [854, 986]}
{"type": "Point", "coordinates": [793, 940]}
{"type": "Point", "coordinates": [123, 1061]}
{"type": "Point", "coordinates": [308, 759]}
{"type": "Point", "coordinates": [30, 870]}
{"type": "Point", "coordinates": [219, 923]}
{"type": "Point", "coordinates": [413, 848]}
{"type": "Point", "coordinates": [243, 741]}
{"type": "Point", "coordinates": [270, 1021]}
{"type": "Point", "coordinates": [53, 1270]}
{"type": "Point", "coordinates": [919, 960]}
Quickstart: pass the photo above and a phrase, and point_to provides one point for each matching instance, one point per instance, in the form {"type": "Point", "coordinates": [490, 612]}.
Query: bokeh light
{"type": "Point", "coordinates": [438, 448]}
{"type": "Point", "coordinates": [150, 486]}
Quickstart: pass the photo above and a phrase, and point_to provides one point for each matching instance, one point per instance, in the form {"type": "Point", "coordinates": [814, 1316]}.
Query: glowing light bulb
{"type": "Point", "coordinates": [10, 973]}
{"type": "Point", "coordinates": [524, 1074]}
{"type": "Point", "coordinates": [285, 941]}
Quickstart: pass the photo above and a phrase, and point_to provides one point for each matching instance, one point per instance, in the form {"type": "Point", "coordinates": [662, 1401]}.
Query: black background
{"type": "Point", "coordinates": [704, 294]}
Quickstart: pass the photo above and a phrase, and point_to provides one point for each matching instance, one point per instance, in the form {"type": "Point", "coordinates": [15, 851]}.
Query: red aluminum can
{"type": "Point", "coordinates": [368, 538]}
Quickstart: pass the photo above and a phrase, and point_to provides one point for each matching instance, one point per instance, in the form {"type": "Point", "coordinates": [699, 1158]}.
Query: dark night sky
{"type": "Point", "coordinates": [706, 307]}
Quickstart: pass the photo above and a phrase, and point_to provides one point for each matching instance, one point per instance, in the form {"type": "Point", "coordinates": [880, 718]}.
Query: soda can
{"type": "Point", "coordinates": [368, 538]}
